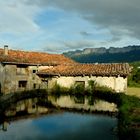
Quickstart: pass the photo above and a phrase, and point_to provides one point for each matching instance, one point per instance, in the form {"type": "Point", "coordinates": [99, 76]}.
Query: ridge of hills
{"type": "Point", "coordinates": [104, 55]}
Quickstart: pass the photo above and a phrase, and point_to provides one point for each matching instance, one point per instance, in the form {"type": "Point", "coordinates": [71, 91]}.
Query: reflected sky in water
{"type": "Point", "coordinates": [62, 126]}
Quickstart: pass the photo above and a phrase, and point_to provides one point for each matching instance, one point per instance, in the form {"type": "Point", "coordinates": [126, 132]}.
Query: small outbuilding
{"type": "Point", "coordinates": [113, 75]}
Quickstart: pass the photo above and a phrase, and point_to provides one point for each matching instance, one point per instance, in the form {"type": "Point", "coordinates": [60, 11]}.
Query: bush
{"type": "Point", "coordinates": [57, 89]}
{"type": "Point", "coordinates": [91, 87]}
{"type": "Point", "coordinates": [79, 89]}
{"type": "Point", "coordinates": [134, 78]}
{"type": "Point", "coordinates": [129, 109]}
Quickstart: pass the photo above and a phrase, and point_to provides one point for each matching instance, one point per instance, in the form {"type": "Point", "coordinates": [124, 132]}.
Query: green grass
{"type": "Point", "coordinates": [134, 91]}
{"type": "Point", "coordinates": [134, 77]}
{"type": "Point", "coordinates": [129, 114]}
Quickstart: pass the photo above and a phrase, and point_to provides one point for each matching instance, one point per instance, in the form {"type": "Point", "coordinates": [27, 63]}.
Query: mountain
{"type": "Point", "coordinates": [103, 55]}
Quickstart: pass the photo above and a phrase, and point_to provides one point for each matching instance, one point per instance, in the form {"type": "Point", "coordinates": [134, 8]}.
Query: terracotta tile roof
{"type": "Point", "coordinates": [113, 69]}
{"type": "Point", "coordinates": [16, 56]}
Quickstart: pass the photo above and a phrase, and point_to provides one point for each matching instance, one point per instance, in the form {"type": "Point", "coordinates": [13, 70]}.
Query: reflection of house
{"type": "Point", "coordinates": [20, 70]}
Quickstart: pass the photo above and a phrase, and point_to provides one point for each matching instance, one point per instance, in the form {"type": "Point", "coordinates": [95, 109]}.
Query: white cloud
{"type": "Point", "coordinates": [80, 24]}
{"type": "Point", "coordinates": [110, 14]}
{"type": "Point", "coordinates": [79, 44]}
{"type": "Point", "coordinates": [17, 18]}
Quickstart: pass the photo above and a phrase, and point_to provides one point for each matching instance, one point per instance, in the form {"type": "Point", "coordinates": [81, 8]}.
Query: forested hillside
{"type": "Point", "coordinates": [103, 55]}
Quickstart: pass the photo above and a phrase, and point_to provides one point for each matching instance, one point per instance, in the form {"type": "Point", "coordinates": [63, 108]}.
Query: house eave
{"type": "Point", "coordinates": [21, 63]}
{"type": "Point", "coordinates": [74, 75]}
{"type": "Point", "coordinates": [28, 64]}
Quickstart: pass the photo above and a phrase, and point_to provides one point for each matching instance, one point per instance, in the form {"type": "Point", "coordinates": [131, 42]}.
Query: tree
{"type": "Point", "coordinates": [136, 76]}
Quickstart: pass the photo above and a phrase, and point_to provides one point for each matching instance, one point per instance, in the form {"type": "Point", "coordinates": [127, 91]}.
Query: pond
{"type": "Point", "coordinates": [25, 121]}
{"type": "Point", "coordinates": [61, 126]}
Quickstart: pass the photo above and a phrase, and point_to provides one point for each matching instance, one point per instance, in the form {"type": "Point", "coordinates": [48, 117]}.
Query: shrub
{"type": "Point", "coordinates": [129, 109]}
{"type": "Point", "coordinates": [57, 89]}
{"type": "Point", "coordinates": [91, 87]}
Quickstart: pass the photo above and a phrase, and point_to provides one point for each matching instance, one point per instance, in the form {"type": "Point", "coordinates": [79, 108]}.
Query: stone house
{"type": "Point", "coordinates": [18, 69]}
{"type": "Point", "coordinates": [110, 75]}
{"type": "Point", "coordinates": [22, 70]}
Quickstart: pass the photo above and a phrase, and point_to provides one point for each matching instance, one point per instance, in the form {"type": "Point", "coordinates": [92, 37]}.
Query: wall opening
{"type": "Point", "coordinates": [79, 99]}
{"type": "Point", "coordinates": [45, 82]}
{"type": "Point", "coordinates": [34, 86]}
{"type": "Point", "coordinates": [79, 86]}
{"type": "Point", "coordinates": [34, 71]}
{"type": "Point", "coordinates": [21, 70]}
{"type": "Point", "coordinates": [80, 83]}
{"type": "Point", "coordinates": [22, 84]}
{"type": "Point", "coordinates": [33, 106]}
{"type": "Point", "coordinates": [0, 88]}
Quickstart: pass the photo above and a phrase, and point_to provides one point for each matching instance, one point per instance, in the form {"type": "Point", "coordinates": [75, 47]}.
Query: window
{"type": "Point", "coordinates": [34, 71]}
{"type": "Point", "coordinates": [80, 83]}
{"type": "Point", "coordinates": [79, 99]}
{"type": "Point", "coordinates": [79, 86]}
{"type": "Point", "coordinates": [34, 106]}
{"type": "Point", "coordinates": [34, 86]}
{"type": "Point", "coordinates": [45, 81]}
{"type": "Point", "coordinates": [33, 78]}
{"type": "Point", "coordinates": [21, 69]}
{"type": "Point", "coordinates": [0, 88]}
{"type": "Point", "coordinates": [22, 84]}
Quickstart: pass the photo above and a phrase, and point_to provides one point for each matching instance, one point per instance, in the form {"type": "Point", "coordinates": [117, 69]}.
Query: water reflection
{"type": "Point", "coordinates": [28, 106]}
{"type": "Point", "coordinates": [62, 126]}
{"type": "Point", "coordinates": [4, 126]}
{"type": "Point", "coordinates": [38, 105]}
{"type": "Point", "coordinates": [87, 103]}
{"type": "Point", "coordinates": [24, 120]}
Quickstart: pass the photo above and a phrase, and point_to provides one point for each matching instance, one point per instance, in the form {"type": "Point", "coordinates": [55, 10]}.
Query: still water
{"type": "Point", "coordinates": [61, 126]}
{"type": "Point", "coordinates": [35, 119]}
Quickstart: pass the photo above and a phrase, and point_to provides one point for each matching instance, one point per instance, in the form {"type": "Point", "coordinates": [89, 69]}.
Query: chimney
{"type": "Point", "coordinates": [5, 49]}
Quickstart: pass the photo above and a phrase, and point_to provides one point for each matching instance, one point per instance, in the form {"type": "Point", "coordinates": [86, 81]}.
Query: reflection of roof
{"type": "Point", "coordinates": [16, 56]}
{"type": "Point", "coordinates": [113, 69]}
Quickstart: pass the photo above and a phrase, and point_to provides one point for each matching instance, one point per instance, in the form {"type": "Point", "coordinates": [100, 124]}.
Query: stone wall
{"type": "Point", "coordinates": [10, 75]}
{"type": "Point", "coordinates": [1, 77]}
{"type": "Point", "coordinates": [119, 84]}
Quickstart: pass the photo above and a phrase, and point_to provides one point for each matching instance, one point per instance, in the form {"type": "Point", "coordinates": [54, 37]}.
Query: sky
{"type": "Point", "coordinates": [57, 26]}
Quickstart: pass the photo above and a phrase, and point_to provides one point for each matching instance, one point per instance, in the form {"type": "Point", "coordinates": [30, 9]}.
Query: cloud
{"type": "Point", "coordinates": [112, 14]}
{"type": "Point", "coordinates": [84, 33]}
{"type": "Point", "coordinates": [17, 18]}
{"type": "Point", "coordinates": [53, 47]}
{"type": "Point", "coordinates": [79, 44]}
{"type": "Point", "coordinates": [60, 25]}
{"type": "Point", "coordinates": [64, 46]}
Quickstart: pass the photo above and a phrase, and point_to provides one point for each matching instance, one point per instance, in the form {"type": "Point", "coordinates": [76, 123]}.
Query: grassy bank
{"type": "Point", "coordinates": [129, 113]}
{"type": "Point", "coordinates": [134, 91]}
{"type": "Point", "coordinates": [129, 117]}
{"type": "Point", "coordinates": [134, 77]}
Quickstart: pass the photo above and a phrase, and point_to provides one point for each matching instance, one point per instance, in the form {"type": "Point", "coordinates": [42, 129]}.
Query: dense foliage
{"type": "Point", "coordinates": [108, 57]}
{"type": "Point", "coordinates": [129, 118]}
{"type": "Point", "coordinates": [134, 78]}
